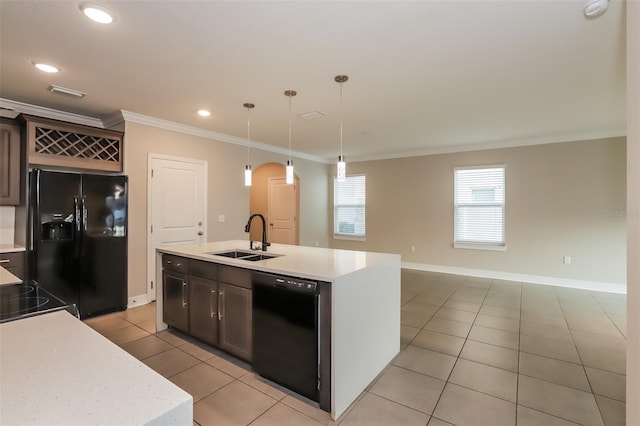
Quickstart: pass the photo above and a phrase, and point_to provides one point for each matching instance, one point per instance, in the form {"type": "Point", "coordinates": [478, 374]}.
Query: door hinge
{"type": "Point", "coordinates": [151, 172]}
{"type": "Point", "coordinates": [151, 285]}
{"type": "Point", "coordinates": [152, 229]}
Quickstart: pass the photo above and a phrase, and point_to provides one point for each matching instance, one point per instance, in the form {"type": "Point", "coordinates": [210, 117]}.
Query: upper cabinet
{"type": "Point", "coordinates": [10, 163]}
{"type": "Point", "coordinates": [61, 144]}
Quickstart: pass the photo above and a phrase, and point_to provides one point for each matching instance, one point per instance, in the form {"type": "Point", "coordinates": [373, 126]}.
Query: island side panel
{"type": "Point", "coordinates": [160, 324]}
{"type": "Point", "coordinates": [366, 329]}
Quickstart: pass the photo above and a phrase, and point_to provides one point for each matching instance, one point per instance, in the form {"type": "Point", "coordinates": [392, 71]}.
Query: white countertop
{"type": "Point", "coordinates": [306, 262]}
{"type": "Point", "coordinates": [58, 371]}
{"type": "Point", "coordinates": [7, 278]}
{"type": "Point", "coordinates": [10, 248]}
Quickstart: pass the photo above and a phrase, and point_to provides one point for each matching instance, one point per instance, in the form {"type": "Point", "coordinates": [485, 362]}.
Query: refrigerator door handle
{"type": "Point", "coordinates": [85, 213]}
{"type": "Point", "coordinates": [76, 208]}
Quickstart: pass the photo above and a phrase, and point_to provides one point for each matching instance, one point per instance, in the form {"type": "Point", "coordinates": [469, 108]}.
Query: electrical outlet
{"type": "Point", "coordinates": [413, 249]}
{"type": "Point", "coordinates": [566, 260]}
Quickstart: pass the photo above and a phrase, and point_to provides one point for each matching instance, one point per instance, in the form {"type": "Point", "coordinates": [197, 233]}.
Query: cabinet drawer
{"type": "Point", "coordinates": [236, 276]}
{"type": "Point", "coordinates": [202, 269]}
{"type": "Point", "coordinates": [175, 263]}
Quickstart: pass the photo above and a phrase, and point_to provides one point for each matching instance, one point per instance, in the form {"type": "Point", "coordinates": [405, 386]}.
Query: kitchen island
{"type": "Point", "coordinates": [58, 371]}
{"type": "Point", "coordinates": [364, 298]}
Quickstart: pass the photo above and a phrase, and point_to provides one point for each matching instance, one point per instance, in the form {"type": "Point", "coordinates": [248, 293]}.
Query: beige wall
{"type": "Point", "coordinates": [633, 212]}
{"type": "Point", "coordinates": [227, 194]}
{"type": "Point", "coordinates": [564, 199]}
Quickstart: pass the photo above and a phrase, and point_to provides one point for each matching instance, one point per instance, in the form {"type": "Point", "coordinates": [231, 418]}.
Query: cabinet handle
{"type": "Point", "coordinates": [184, 300]}
{"type": "Point", "coordinates": [178, 265]}
{"type": "Point", "coordinates": [5, 261]}
{"type": "Point", "coordinates": [220, 305]}
{"type": "Point", "coordinates": [211, 303]}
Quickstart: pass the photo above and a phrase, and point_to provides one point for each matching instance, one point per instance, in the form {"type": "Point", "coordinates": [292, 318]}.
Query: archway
{"type": "Point", "coordinates": [277, 202]}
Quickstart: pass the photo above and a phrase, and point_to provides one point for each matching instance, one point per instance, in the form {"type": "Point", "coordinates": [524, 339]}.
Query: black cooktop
{"type": "Point", "coordinates": [25, 300]}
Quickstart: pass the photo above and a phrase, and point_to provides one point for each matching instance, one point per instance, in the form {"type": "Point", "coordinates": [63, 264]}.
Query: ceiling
{"type": "Point", "coordinates": [424, 76]}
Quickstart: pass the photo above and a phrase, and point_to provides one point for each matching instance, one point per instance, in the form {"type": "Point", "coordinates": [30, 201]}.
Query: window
{"type": "Point", "coordinates": [479, 207]}
{"type": "Point", "coordinates": [349, 207]}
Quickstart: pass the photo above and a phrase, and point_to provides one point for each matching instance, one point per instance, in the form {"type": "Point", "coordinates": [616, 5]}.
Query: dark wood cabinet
{"type": "Point", "coordinates": [14, 263]}
{"type": "Point", "coordinates": [210, 302]}
{"type": "Point", "coordinates": [175, 301]}
{"type": "Point", "coordinates": [11, 168]}
{"type": "Point", "coordinates": [235, 320]}
{"type": "Point", "coordinates": [203, 309]}
{"type": "Point", "coordinates": [236, 316]}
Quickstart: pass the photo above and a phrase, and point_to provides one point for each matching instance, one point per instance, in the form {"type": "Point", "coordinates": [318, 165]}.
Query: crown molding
{"type": "Point", "coordinates": [8, 106]}
{"type": "Point", "coordinates": [112, 120]}
{"type": "Point", "coordinates": [22, 108]}
{"type": "Point", "coordinates": [482, 146]}
{"type": "Point", "coordinates": [213, 135]}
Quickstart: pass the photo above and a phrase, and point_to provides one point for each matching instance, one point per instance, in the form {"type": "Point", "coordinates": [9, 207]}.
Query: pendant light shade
{"type": "Point", "coordinates": [289, 169]}
{"type": "Point", "coordinates": [247, 175]}
{"type": "Point", "coordinates": [247, 168]}
{"type": "Point", "coordinates": [341, 167]}
{"type": "Point", "coordinates": [289, 174]}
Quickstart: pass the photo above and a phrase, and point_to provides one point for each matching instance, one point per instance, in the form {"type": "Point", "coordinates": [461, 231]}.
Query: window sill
{"type": "Point", "coordinates": [472, 246]}
{"type": "Point", "coordinates": [348, 238]}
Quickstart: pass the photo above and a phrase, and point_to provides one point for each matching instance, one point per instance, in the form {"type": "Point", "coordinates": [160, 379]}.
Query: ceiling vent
{"type": "Point", "coordinates": [313, 115]}
{"type": "Point", "coordinates": [65, 91]}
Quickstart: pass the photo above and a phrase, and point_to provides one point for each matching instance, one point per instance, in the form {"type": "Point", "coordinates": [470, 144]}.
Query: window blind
{"type": "Point", "coordinates": [479, 202]}
{"type": "Point", "coordinates": [349, 206]}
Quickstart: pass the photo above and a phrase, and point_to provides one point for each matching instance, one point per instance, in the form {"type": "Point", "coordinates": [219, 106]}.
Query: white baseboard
{"type": "Point", "coordinates": [139, 300]}
{"type": "Point", "coordinates": [510, 276]}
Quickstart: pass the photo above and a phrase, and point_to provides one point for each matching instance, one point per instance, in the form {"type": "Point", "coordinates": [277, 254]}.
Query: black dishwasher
{"type": "Point", "coordinates": [285, 332]}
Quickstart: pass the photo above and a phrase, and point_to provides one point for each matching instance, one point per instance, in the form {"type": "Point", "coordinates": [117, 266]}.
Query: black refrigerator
{"type": "Point", "coordinates": [78, 238]}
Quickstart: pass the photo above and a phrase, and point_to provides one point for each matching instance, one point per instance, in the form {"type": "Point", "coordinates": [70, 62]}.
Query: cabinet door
{"type": "Point", "coordinates": [203, 309]}
{"type": "Point", "coordinates": [10, 164]}
{"type": "Point", "coordinates": [175, 300]}
{"type": "Point", "coordinates": [235, 320]}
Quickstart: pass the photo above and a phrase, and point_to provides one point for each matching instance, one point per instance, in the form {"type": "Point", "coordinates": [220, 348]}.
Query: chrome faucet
{"type": "Point", "coordinates": [247, 228]}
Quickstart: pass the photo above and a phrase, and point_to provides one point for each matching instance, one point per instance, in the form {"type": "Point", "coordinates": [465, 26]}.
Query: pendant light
{"type": "Point", "coordinates": [247, 168]}
{"type": "Point", "coordinates": [341, 167]}
{"type": "Point", "coordinates": [289, 169]}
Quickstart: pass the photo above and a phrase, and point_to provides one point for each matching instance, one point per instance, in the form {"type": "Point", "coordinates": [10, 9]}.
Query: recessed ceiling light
{"type": "Point", "coordinates": [595, 8]}
{"type": "Point", "coordinates": [97, 13]}
{"type": "Point", "coordinates": [43, 66]}
{"type": "Point", "coordinates": [203, 113]}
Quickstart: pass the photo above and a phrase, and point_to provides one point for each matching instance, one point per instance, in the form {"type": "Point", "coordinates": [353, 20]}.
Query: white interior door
{"type": "Point", "coordinates": [283, 202]}
{"type": "Point", "coordinates": [177, 189]}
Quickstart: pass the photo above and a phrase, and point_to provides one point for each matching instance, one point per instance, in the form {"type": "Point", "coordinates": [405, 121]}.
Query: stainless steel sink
{"type": "Point", "coordinates": [245, 255]}
{"type": "Point", "coordinates": [256, 257]}
{"type": "Point", "coordinates": [233, 253]}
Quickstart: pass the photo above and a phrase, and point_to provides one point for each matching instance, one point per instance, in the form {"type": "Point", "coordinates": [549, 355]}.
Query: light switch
{"type": "Point", "coordinates": [220, 218]}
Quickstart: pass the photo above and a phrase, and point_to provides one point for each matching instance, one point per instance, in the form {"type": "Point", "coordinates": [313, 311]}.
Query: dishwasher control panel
{"type": "Point", "coordinates": [295, 284]}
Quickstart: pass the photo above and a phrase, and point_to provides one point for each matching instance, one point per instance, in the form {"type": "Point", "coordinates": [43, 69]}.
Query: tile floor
{"type": "Point", "coordinates": [474, 351]}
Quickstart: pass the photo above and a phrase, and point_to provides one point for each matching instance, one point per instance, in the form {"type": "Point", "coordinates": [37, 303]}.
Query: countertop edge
{"type": "Point", "coordinates": [295, 259]}
{"type": "Point", "coordinates": [11, 248]}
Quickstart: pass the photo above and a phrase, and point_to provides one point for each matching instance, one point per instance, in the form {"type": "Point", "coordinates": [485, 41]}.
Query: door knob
{"type": "Point", "coordinates": [200, 233]}
{"type": "Point", "coordinates": [199, 223]}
